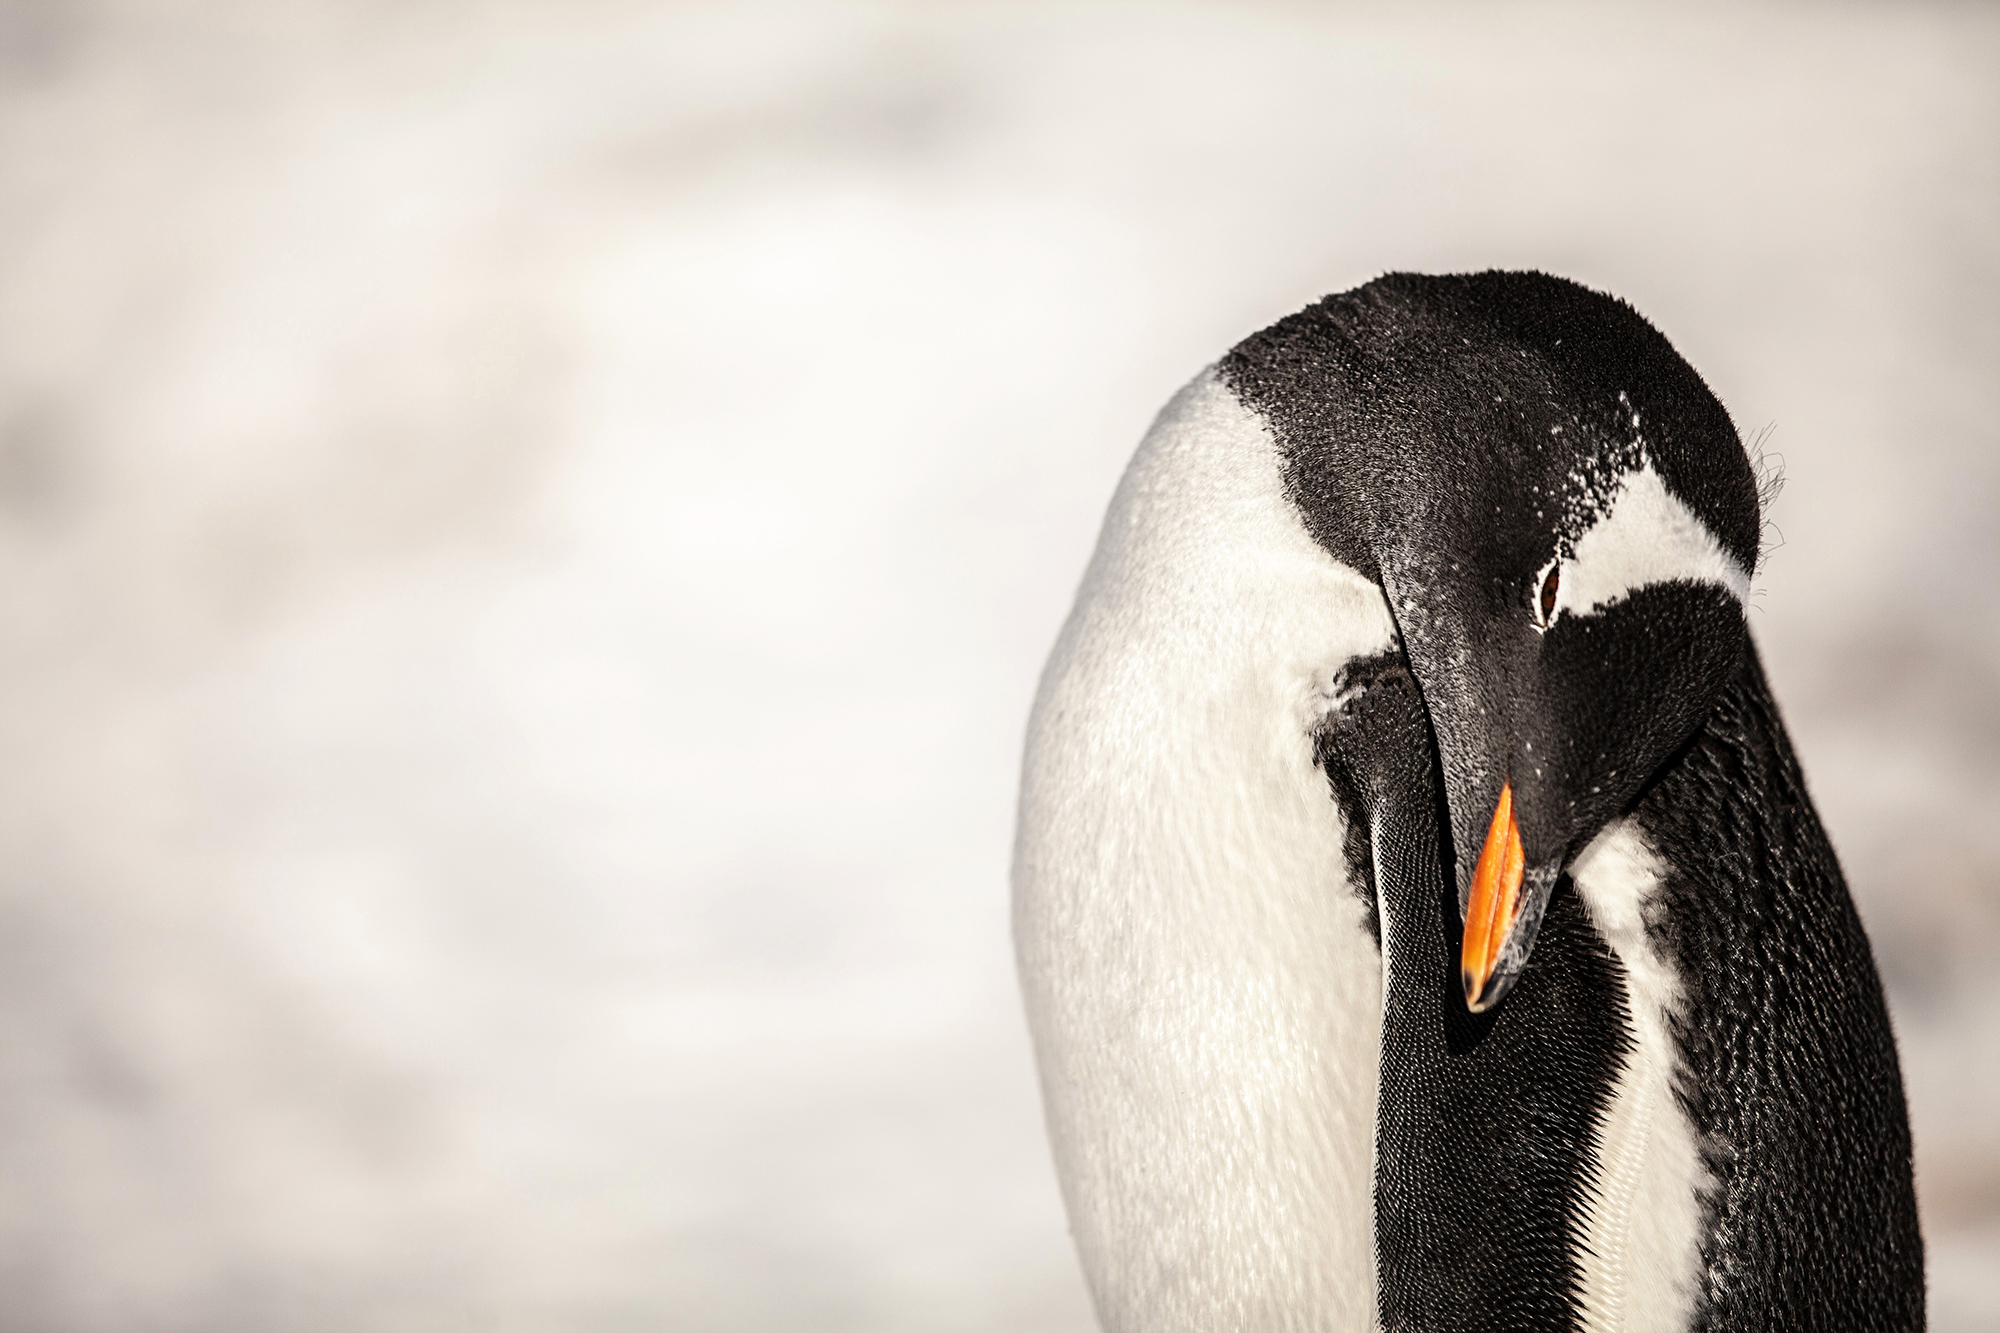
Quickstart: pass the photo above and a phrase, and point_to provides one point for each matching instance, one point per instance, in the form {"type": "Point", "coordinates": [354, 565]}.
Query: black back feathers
{"type": "Point", "coordinates": [1791, 1074]}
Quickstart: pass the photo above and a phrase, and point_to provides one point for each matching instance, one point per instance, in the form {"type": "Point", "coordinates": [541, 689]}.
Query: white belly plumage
{"type": "Point", "coordinates": [1205, 998]}
{"type": "Point", "coordinates": [1642, 1233]}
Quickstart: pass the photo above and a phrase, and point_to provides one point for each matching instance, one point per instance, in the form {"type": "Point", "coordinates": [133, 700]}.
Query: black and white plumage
{"type": "Point", "coordinates": [1422, 918]}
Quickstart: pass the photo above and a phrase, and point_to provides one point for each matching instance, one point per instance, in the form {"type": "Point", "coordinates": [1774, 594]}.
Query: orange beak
{"type": "Point", "coordinates": [1495, 902]}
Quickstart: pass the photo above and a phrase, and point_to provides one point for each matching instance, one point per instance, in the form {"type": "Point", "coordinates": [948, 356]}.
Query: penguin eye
{"type": "Point", "coordinates": [1549, 586]}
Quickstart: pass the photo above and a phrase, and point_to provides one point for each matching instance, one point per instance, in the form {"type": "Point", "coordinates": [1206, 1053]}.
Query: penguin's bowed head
{"type": "Point", "coordinates": [1564, 524]}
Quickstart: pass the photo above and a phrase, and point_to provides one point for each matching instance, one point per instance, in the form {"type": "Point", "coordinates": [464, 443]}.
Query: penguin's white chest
{"type": "Point", "coordinates": [1205, 997]}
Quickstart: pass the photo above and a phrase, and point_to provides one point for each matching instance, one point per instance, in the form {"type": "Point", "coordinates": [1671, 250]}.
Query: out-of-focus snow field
{"type": "Point", "coordinates": [529, 533]}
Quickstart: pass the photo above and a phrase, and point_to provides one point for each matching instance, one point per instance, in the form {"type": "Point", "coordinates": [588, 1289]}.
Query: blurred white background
{"type": "Point", "coordinates": [527, 534]}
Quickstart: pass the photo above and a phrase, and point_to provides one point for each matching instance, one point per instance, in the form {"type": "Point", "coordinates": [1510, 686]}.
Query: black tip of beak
{"type": "Point", "coordinates": [1483, 995]}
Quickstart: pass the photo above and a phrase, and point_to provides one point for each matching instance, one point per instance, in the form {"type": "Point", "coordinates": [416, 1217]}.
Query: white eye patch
{"type": "Point", "coordinates": [1643, 537]}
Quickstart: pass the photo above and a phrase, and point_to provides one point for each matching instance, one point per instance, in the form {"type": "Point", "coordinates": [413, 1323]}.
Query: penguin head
{"type": "Point", "coordinates": [1564, 524]}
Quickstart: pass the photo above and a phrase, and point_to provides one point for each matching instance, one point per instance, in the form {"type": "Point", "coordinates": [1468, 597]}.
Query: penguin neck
{"type": "Point", "coordinates": [1599, 1152]}
{"type": "Point", "coordinates": [1806, 1147]}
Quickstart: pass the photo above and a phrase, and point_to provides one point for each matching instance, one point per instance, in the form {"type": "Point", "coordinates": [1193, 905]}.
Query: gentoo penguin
{"type": "Point", "coordinates": [1422, 919]}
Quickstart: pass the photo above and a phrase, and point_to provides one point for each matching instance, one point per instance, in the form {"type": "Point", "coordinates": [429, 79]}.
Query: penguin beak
{"type": "Point", "coordinates": [1503, 911]}
{"type": "Point", "coordinates": [1494, 904]}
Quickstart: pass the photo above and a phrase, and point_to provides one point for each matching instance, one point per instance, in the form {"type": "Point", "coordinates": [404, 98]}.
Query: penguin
{"type": "Point", "coordinates": [1421, 916]}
